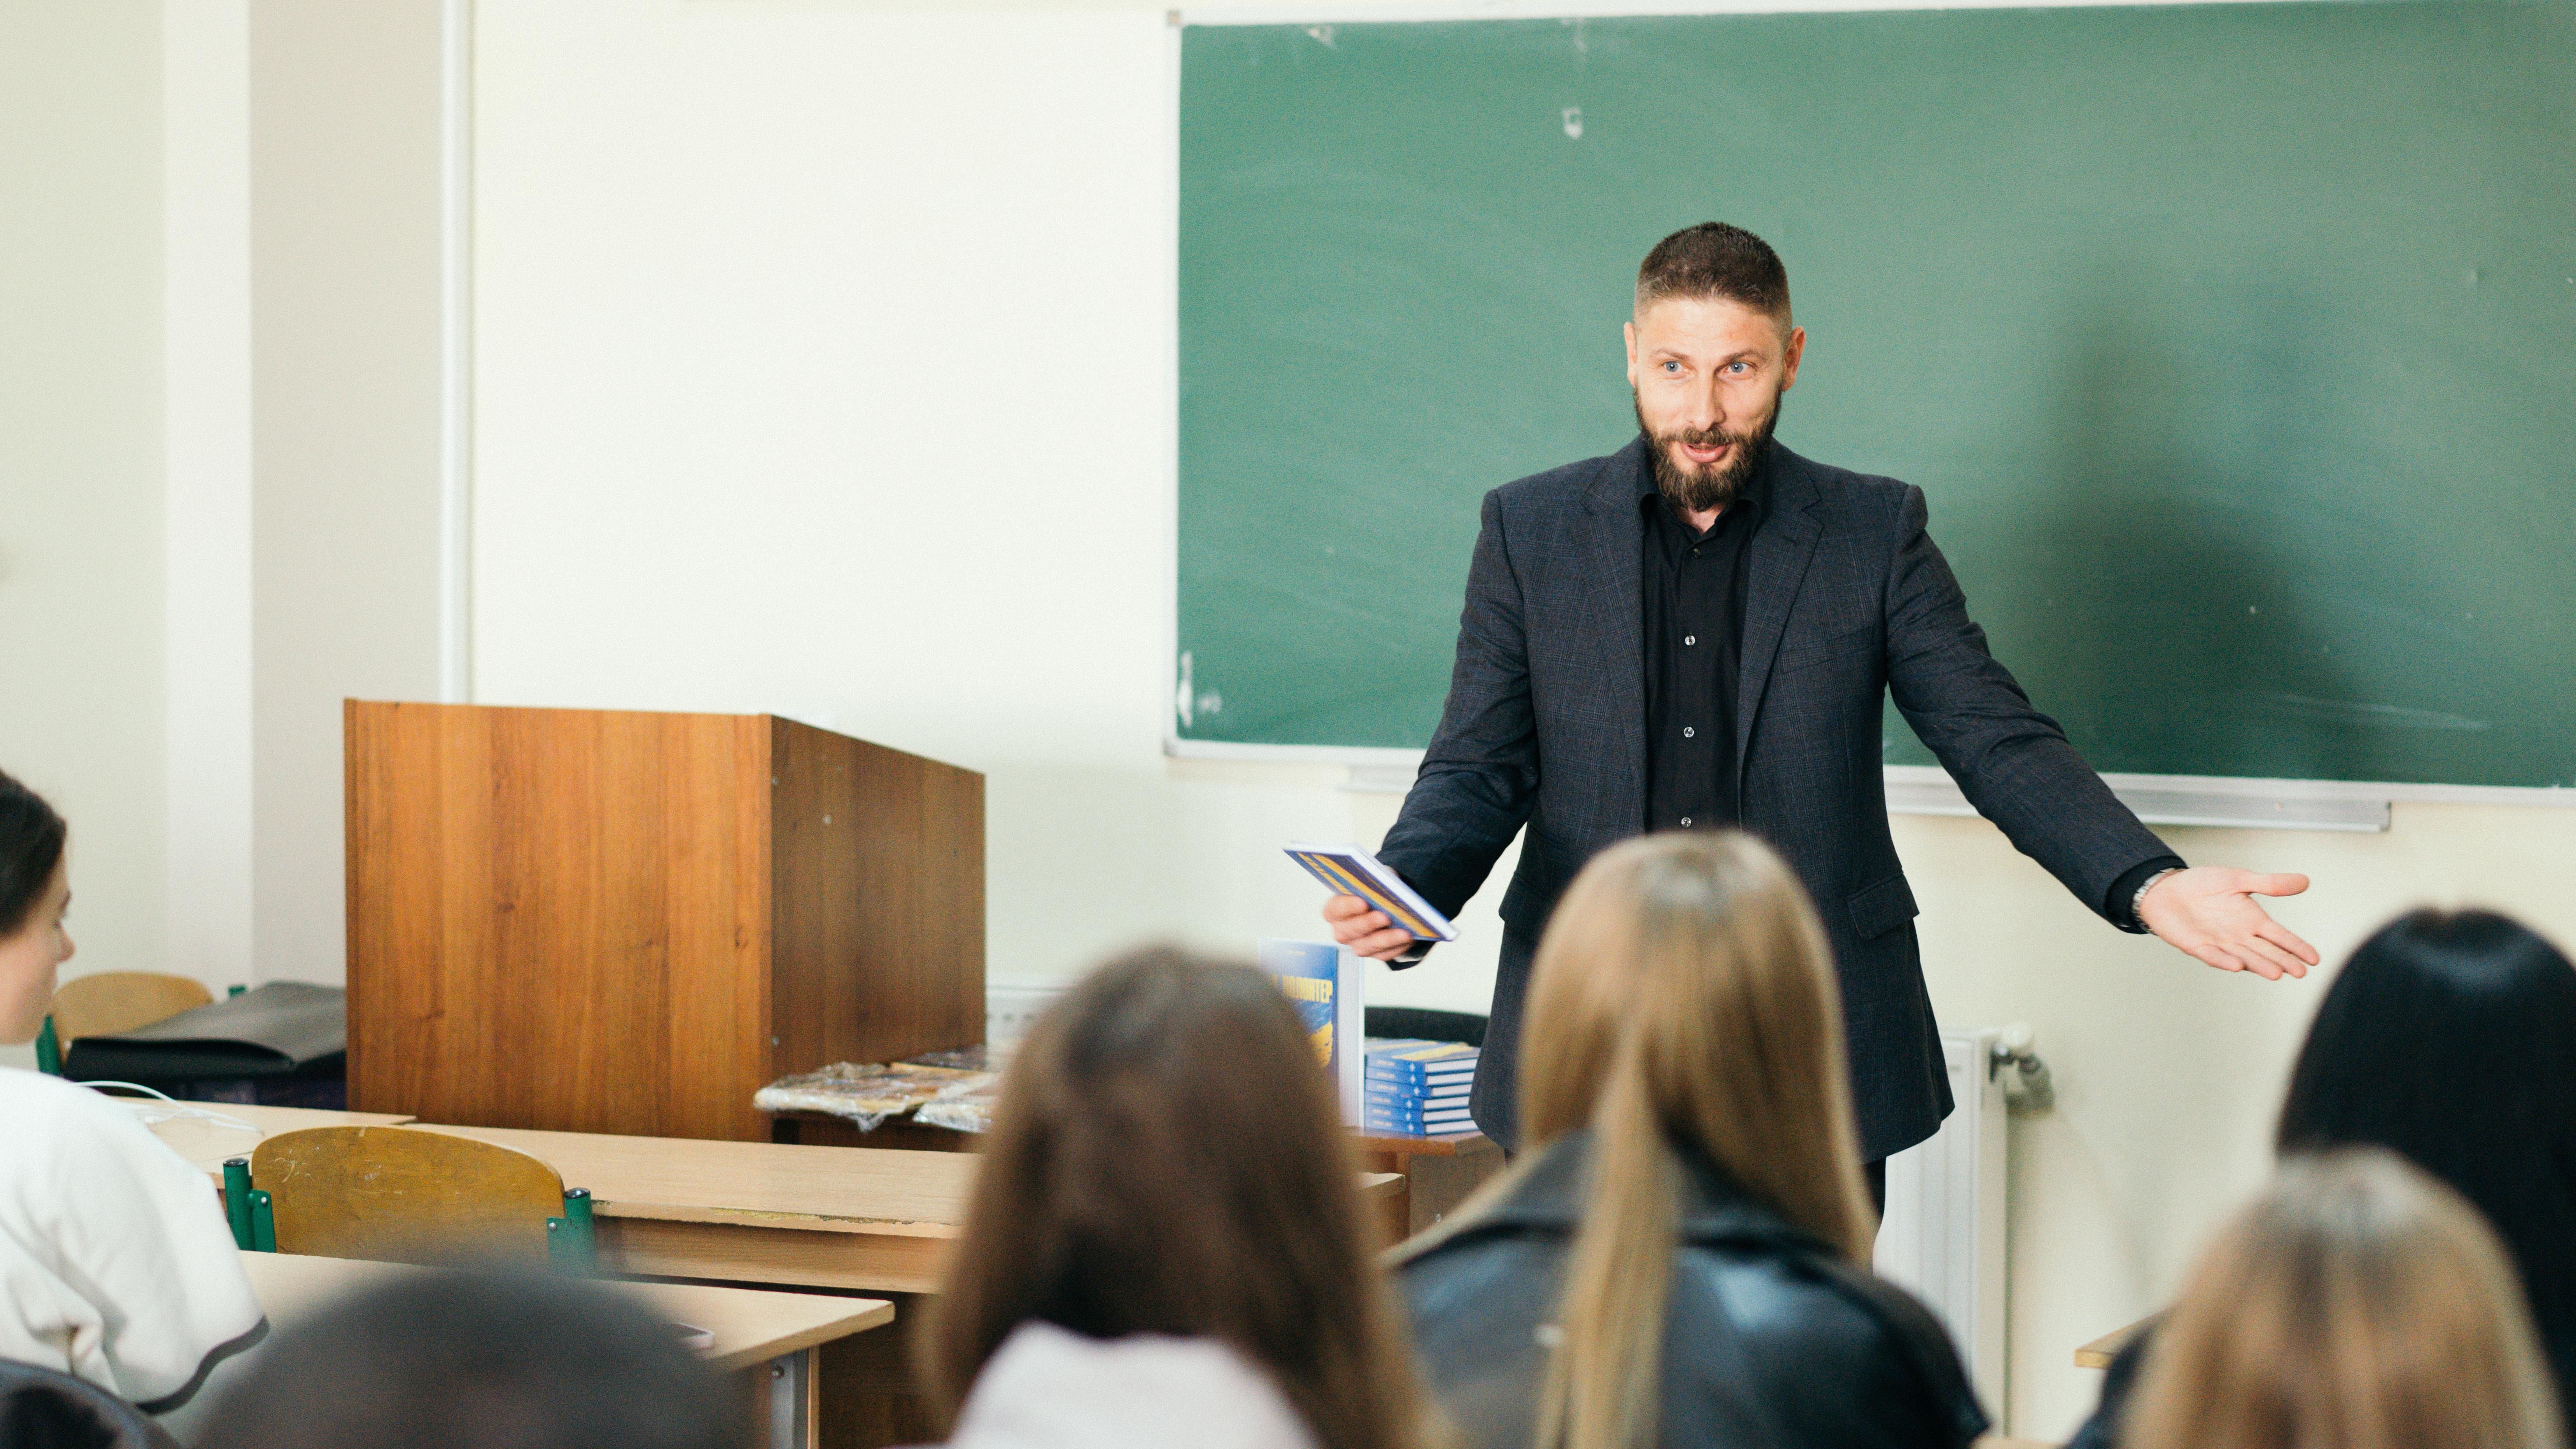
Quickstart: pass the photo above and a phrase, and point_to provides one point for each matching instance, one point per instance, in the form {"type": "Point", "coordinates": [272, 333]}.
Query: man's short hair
{"type": "Point", "coordinates": [1714, 259]}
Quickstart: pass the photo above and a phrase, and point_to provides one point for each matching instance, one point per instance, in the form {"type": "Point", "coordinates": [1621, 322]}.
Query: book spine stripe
{"type": "Point", "coordinates": [1369, 891]}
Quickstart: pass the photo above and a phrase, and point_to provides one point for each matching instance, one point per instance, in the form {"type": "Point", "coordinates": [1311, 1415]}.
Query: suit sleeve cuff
{"type": "Point", "coordinates": [2120, 905]}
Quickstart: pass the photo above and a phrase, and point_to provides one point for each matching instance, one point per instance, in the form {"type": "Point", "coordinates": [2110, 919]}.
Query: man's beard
{"type": "Point", "coordinates": [1699, 490]}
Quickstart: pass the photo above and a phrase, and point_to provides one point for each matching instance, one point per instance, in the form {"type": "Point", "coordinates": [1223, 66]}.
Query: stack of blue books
{"type": "Point", "coordinates": [1418, 1088]}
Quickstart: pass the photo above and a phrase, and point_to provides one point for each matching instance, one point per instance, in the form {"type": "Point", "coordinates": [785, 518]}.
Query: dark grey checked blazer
{"type": "Point", "coordinates": [1847, 599]}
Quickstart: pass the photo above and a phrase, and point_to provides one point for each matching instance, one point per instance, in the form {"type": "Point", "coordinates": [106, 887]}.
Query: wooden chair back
{"type": "Point", "coordinates": [107, 1002]}
{"type": "Point", "coordinates": [399, 1196]}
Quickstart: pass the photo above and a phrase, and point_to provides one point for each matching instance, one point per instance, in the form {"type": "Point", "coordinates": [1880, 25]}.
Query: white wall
{"type": "Point", "coordinates": [345, 350]}
{"type": "Point", "coordinates": [207, 492]}
{"type": "Point", "coordinates": [80, 451]}
{"type": "Point", "coordinates": [180, 611]}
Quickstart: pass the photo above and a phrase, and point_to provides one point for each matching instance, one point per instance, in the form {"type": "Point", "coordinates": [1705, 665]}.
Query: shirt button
{"type": "Point", "coordinates": [1689, 639]}
{"type": "Point", "coordinates": [1687, 731]}
{"type": "Point", "coordinates": [1685, 822]}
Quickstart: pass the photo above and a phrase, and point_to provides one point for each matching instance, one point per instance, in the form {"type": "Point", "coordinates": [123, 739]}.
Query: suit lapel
{"type": "Point", "coordinates": [1778, 563]}
{"type": "Point", "coordinates": [1614, 612]}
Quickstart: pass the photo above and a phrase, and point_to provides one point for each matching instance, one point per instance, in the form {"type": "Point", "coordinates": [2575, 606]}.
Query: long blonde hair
{"type": "Point", "coordinates": [2359, 1304]}
{"type": "Point", "coordinates": [1683, 997]}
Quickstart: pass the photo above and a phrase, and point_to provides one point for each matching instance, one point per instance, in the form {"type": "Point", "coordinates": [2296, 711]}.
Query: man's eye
{"type": "Point", "coordinates": [1672, 367]}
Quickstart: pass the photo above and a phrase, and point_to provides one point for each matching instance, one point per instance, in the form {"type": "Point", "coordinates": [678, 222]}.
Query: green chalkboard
{"type": "Point", "coordinates": [2235, 346]}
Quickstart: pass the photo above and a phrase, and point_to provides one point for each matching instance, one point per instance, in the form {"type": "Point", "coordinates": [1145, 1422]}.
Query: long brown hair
{"type": "Point", "coordinates": [1683, 998]}
{"type": "Point", "coordinates": [1167, 1158]}
{"type": "Point", "coordinates": [2359, 1304]}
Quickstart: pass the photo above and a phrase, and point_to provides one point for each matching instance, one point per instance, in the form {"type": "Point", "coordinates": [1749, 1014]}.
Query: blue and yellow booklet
{"type": "Point", "coordinates": [1348, 870]}
{"type": "Point", "coordinates": [1323, 982]}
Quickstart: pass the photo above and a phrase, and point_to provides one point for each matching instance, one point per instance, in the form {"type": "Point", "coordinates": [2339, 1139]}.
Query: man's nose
{"type": "Point", "coordinates": [1707, 410]}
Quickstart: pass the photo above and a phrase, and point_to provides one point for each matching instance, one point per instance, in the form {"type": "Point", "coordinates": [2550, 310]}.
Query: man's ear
{"type": "Point", "coordinates": [1629, 330]}
{"type": "Point", "coordinates": [1797, 348]}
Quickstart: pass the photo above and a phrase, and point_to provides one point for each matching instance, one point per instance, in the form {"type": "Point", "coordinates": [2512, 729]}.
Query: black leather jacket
{"type": "Point", "coordinates": [1770, 1341]}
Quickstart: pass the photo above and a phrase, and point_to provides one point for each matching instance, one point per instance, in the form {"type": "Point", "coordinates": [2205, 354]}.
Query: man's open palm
{"type": "Point", "coordinates": [2209, 912]}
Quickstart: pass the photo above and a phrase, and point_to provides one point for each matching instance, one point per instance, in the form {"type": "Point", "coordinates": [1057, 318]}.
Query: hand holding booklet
{"type": "Point", "coordinates": [1348, 870]}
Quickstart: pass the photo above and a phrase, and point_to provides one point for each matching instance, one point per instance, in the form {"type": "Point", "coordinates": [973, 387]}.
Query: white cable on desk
{"type": "Point", "coordinates": [171, 1109]}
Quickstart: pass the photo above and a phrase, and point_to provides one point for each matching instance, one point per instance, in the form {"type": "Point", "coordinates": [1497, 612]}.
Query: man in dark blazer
{"type": "Point", "coordinates": [1697, 631]}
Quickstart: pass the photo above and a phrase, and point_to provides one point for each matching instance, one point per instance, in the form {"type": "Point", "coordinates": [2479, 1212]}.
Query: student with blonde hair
{"type": "Point", "coordinates": [2359, 1304]}
{"type": "Point", "coordinates": [1681, 1254]}
{"type": "Point", "coordinates": [1165, 1245]}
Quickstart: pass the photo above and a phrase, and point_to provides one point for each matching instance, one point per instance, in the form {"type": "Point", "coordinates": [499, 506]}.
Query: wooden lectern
{"type": "Point", "coordinates": [601, 921]}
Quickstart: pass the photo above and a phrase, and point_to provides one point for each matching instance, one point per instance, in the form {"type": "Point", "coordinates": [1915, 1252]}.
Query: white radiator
{"type": "Point", "coordinates": [1012, 1005]}
{"type": "Point", "coordinates": [1943, 1235]}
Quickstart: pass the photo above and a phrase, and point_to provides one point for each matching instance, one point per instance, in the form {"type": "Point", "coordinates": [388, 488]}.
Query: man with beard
{"type": "Point", "coordinates": [1697, 632]}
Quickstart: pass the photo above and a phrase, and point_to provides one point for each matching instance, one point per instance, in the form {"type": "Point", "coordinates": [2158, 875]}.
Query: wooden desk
{"type": "Point", "coordinates": [758, 1212]}
{"type": "Point", "coordinates": [771, 1338]}
{"type": "Point", "coordinates": [1439, 1172]}
{"type": "Point", "coordinates": [2099, 1353]}
{"type": "Point", "coordinates": [206, 1145]}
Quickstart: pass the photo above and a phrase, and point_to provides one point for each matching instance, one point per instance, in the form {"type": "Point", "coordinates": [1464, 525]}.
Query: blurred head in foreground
{"type": "Point", "coordinates": [468, 1361]}
{"type": "Point", "coordinates": [1166, 1175]}
{"type": "Point", "coordinates": [2358, 1304]}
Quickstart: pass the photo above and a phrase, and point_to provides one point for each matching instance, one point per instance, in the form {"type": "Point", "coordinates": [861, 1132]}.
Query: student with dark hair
{"type": "Point", "coordinates": [35, 892]}
{"type": "Point", "coordinates": [1165, 1246]}
{"type": "Point", "coordinates": [116, 1264]}
{"type": "Point", "coordinates": [476, 1362]}
{"type": "Point", "coordinates": [2449, 1039]}
{"type": "Point", "coordinates": [1681, 1255]}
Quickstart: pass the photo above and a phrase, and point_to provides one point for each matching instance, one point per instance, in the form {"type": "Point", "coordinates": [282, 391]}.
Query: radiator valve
{"type": "Point", "coordinates": [2026, 1084]}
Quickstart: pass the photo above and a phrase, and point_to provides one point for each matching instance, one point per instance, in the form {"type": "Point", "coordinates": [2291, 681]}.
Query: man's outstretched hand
{"type": "Point", "coordinates": [2209, 912]}
{"type": "Point", "coordinates": [1365, 929]}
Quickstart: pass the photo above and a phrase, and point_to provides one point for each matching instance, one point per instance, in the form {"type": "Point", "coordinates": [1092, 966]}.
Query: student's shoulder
{"type": "Point", "coordinates": [33, 1099]}
{"type": "Point", "coordinates": [47, 1118]}
{"type": "Point", "coordinates": [1804, 1319]}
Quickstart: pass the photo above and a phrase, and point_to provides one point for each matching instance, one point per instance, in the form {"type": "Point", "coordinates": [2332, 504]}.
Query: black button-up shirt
{"type": "Point", "coordinates": [1693, 587]}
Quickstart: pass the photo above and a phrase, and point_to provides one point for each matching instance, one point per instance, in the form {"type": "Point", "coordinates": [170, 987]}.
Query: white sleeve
{"type": "Point", "coordinates": [142, 1236]}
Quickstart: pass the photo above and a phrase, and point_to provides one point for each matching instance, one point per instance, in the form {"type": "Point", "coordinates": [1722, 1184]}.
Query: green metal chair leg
{"type": "Point", "coordinates": [237, 1199]}
{"type": "Point", "coordinates": [572, 1243]}
{"type": "Point", "coordinates": [263, 1222]}
{"type": "Point", "coordinates": [49, 1050]}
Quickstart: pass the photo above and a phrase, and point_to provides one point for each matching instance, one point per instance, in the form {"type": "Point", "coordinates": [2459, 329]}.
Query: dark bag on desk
{"type": "Point", "coordinates": [282, 1029]}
